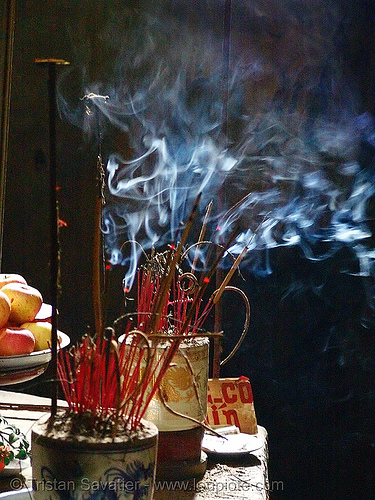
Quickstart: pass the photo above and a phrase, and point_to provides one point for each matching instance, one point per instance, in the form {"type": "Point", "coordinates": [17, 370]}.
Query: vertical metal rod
{"type": "Point", "coordinates": [54, 219]}
{"type": "Point", "coordinates": [5, 110]}
{"type": "Point", "coordinates": [226, 61]}
{"type": "Point", "coordinates": [224, 127]}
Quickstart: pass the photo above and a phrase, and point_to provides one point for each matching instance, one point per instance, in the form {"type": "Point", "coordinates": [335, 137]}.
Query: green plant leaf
{"type": "Point", "coordinates": [21, 455]}
{"type": "Point", "coordinates": [12, 438]}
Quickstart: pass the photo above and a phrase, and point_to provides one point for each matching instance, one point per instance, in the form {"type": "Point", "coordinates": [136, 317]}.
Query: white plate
{"type": "Point", "coordinates": [232, 444]}
{"type": "Point", "coordinates": [34, 359]}
{"type": "Point", "coordinates": [45, 313]}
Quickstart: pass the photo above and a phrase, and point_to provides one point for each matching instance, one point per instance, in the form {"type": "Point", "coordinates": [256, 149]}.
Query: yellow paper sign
{"type": "Point", "coordinates": [230, 402]}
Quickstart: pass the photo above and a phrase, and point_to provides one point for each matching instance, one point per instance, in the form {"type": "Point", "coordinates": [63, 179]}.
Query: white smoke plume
{"type": "Point", "coordinates": [260, 115]}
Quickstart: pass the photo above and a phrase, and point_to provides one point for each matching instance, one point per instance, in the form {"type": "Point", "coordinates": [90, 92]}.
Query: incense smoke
{"type": "Point", "coordinates": [268, 121]}
{"type": "Point", "coordinates": [271, 131]}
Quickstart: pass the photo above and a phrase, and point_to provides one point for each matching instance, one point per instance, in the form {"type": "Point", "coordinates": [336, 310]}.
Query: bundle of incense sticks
{"type": "Point", "coordinates": [110, 379]}
{"type": "Point", "coordinates": [170, 306]}
{"type": "Point", "coordinates": [100, 376]}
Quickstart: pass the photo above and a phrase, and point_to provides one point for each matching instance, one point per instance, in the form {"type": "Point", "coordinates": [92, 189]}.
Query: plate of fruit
{"type": "Point", "coordinates": [25, 331]}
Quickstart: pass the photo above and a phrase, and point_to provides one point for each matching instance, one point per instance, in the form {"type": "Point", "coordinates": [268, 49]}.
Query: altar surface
{"type": "Point", "coordinates": [241, 477]}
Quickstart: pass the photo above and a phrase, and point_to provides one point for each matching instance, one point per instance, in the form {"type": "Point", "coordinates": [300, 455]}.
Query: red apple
{"type": "Point", "coordinates": [11, 278]}
{"type": "Point", "coordinates": [4, 308]}
{"type": "Point", "coordinates": [15, 340]}
{"type": "Point", "coordinates": [25, 302]}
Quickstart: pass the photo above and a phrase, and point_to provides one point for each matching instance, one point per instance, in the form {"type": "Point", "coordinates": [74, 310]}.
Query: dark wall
{"type": "Point", "coordinates": [310, 350]}
{"type": "Point", "coordinates": [311, 363]}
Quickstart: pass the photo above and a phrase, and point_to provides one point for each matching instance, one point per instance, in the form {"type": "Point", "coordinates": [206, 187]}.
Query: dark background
{"type": "Point", "coordinates": [310, 350]}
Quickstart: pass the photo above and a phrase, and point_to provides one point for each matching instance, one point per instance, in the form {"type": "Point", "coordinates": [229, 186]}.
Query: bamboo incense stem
{"type": "Point", "coordinates": [202, 234]}
{"type": "Point", "coordinates": [28, 407]}
{"type": "Point", "coordinates": [99, 275]}
{"type": "Point", "coordinates": [237, 262]}
{"type": "Point", "coordinates": [217, 347]}
{"type": "Point", "coordinates": [5, 111]}
{"type": "Point", "coordinates": [118, 384]}
{"type": "Point", "coordinates": [98, 310]}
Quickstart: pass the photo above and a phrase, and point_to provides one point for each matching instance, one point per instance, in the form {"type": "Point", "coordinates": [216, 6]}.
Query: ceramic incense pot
{"type": "Point", "coordinates": [71, 467]}
{"type": "Point", "coordinates": [184, 388]}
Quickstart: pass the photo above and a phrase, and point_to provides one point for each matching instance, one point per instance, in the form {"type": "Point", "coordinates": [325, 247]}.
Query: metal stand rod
{"type": "Point", "coordinates": [5, 110]}
{"type": "Point", "coordinates": [217, 348]}
{"type": "Point", "coordinates": [54, 218]}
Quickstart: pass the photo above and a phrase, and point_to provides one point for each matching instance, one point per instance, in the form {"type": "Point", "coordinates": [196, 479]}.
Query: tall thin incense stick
{"type": "Point", "coordinates": [229, 275]}
{"type": "Point", "coordinates": [99, 310]}
{"type": "Point", "coordinates": [100, 274]}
